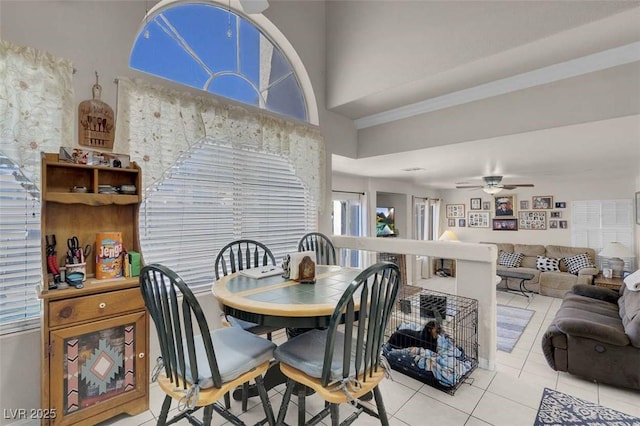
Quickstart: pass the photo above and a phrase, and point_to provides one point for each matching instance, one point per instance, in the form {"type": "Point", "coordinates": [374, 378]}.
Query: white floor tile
{"type": "Point", "coordinates": [473, 421]}
{"type": "Point", "coordinates": [482, 378]}
{"type": "Point", "coordinates": [517, 390]}
{"type": "Point", "coordinates": [394, 395]}
{"type": "Point", "coordinates": [465, 399]}
{"type": "Point", "coordinates": [422, 410]}
{"type": "Point", "coordinates": [620, 394]}
{"type": "Point", "coordinates": [587, 391]}
{"type": "Point", "coordinates": [499, 411]}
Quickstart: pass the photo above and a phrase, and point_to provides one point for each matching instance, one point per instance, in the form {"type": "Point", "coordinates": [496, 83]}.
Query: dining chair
{"type": "Point", "coordinates": [325, 255]}
{"type": "Point", "coordinates": [343, 363]}
{"type": "Point", "coordinates": [321, 244]}
{"type": "Point", "coordinates": [236, 256]}
{"type": "Point", "coordinates": [200, 365]}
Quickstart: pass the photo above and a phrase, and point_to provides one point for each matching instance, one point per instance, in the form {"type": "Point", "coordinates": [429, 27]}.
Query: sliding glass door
{"type": "Point", "coordinates": [349, 219]}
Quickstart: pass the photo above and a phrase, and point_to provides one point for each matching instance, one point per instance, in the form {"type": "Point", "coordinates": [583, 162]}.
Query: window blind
{"type": "Point", "coordinates": [215, 194]}
{"type": "Point", "coordinates": [598, 222]}
{"type": "Point", "coordinates": [20, 249]}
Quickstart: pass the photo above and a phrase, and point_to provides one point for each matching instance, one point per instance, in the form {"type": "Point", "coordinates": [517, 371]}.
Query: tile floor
{"type": "Point", "coordinates": [508, 396]}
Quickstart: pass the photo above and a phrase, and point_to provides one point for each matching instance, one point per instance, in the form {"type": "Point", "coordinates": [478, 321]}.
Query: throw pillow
{"type": "Point", "coordinates": [577, 262]}
{"type": "Point", "coordinates": [547, 264]}
{"type": "Point", "coordinates": [510, 260]}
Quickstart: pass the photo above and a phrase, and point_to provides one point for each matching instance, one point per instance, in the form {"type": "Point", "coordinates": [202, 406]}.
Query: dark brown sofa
{"type": "Point", "coordinates": [596, 334]}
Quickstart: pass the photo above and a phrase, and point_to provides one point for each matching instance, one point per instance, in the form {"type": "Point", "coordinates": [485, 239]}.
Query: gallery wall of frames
{"type": "Point", "coordinates": [507, 212]}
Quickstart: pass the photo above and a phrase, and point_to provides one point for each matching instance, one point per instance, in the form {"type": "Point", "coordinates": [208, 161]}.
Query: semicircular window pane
{"type": "Point", "coordinates": [215, 50]}
{"type": "Point", "coordinates": [234, 87]}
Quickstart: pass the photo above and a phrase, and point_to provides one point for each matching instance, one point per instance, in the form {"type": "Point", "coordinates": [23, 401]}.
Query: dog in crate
{"type": "Point", "coordinates": [426, 338]}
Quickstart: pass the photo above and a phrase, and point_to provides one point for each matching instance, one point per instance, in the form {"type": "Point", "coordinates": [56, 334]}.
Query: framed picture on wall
{"type": "Point", "coordinates": [451, 223]}
{"type": "Point", "coordinates": [504, 205]}
{"type": "Point", "coordinates": [478, 220]}
{"type": "Point", "coordinates": [553, 224]}
{"type": "Point", "coordinates": [505, 224]}
{"type": "Point", "coordinates": [524, 204]}
{"type": "Point", "coordinates": [532, 220]}
{"type": "Point", "coordinates": [476, 204]}
{"type": "Point", "coordinates": [542, 202]}
{"type": "Point", "coordinates": [455, 211]}
{"type": "Point", "coordinates": [486, 205]}
{"type": "Point", "coordinates": [462, 223]}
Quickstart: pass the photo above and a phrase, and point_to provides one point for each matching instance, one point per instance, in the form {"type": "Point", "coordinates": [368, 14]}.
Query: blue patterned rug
{"type": "Point", "coordinates": [511, 323]}
{"type": "Point", "coordinates": [557, 408]}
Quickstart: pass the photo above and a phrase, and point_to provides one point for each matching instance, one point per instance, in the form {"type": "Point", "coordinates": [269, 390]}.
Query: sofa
{"type": "Point", "coordinates": [554, 284]}
{"type": "Point", "coordinates": [596, 334]}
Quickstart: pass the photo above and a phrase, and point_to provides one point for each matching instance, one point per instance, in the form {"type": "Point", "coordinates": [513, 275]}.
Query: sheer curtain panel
{"type": "Point", "coordinates": [36, 114]}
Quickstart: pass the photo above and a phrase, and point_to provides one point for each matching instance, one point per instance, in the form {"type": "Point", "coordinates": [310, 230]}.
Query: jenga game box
{"type": "Point", "coordinates": [108, 255]}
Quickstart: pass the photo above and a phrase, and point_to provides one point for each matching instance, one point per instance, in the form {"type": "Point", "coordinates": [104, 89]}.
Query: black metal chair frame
{"type": "Point", "coordinates": [321, 244]}
{"type": "Point", "coordinates": [244, 254]}
{"type": "Point", "coordinates": [379, 285]}
{"type": "Point", "coordinates": [172, 307]}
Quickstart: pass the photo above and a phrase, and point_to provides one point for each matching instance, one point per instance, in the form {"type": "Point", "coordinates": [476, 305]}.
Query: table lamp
{"type": "Point", "coordinates": [448, 235]}
{"type": "Point", "coordinates": [614, 251]}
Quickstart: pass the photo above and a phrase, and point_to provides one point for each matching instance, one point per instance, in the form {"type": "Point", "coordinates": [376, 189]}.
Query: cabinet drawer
{"type": "Point", "coordinates": [94, 307]}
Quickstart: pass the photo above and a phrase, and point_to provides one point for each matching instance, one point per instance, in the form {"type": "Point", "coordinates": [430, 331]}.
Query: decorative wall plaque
{"type": "Point", "coordinates": [95, 121]}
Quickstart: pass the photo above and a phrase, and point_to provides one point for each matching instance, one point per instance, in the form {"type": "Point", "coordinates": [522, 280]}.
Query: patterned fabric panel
{"type": "Point", "coordinates": [577, 262]}
{"type": "Point", "coordinates": [510, 260]}
{"type": "Point", "coordinates": [547, 264]}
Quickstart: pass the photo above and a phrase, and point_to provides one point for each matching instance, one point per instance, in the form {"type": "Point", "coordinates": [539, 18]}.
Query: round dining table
{"type": "Point", "coordinates": [280, 302]}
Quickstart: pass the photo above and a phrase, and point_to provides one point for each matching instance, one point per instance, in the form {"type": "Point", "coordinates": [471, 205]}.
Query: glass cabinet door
{"type": "Point", "coordinates": [98, 365]}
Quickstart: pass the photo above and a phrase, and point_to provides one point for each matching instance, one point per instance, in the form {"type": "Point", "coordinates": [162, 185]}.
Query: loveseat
{"type": "Point", "coordinates": [596, 334]}
{"type": "Point", "coordinates": [554, 284]}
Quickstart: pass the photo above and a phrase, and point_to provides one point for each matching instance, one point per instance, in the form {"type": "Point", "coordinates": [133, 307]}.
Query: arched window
{"type": "Point", "coordinates": [217, 50]}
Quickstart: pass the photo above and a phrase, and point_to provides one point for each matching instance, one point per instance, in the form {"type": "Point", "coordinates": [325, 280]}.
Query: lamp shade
{"type": "Point", "coordinates": [448, 236]}
{"type": "Point", "coordinates": [615, 249]}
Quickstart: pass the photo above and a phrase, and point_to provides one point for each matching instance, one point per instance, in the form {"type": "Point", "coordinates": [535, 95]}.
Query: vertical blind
{"type": "Point", "coordinates": [20, 252]}
{"type": "Point", "coordinates": [214, 194]}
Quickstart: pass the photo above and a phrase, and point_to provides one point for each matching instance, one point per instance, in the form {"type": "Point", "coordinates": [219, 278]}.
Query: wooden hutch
{"type": "Point", "coordinates": [95, 340]}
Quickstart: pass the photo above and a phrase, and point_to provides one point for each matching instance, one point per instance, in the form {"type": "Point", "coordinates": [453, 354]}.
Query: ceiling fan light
{"type": "Point", "coordinates": [492, 189]}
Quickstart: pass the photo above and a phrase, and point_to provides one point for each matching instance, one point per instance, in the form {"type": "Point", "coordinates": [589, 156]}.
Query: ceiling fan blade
{"type": "Point", "coordinates": [521, 185]}
{"type": "Point", "coordinates": [468, 186]}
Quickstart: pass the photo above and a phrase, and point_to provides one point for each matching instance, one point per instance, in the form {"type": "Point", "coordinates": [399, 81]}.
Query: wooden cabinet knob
{"type": "Point", "coordinates": [102, 305]}
{"type": "Point", "coordinates": [141, 355]}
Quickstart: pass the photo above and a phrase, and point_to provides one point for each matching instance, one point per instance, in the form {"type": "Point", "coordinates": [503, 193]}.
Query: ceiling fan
{"type": "Point", "coordinates": [493, 185]}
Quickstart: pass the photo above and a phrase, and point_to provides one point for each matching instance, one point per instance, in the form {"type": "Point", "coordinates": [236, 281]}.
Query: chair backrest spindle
{"type": "Point", "coordinates": [321, 244]}
{"type": "Point", "coordinates": [242, 254]}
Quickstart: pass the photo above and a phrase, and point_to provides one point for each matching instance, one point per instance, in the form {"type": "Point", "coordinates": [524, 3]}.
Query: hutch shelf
{"type": "Point", "coordinates": [95, 339]}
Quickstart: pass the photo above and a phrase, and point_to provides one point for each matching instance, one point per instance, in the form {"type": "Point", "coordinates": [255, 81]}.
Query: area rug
{"type": "Point", "coordinates": [511, 323]}
{"type": "Point", "coordinates": [557, 408]}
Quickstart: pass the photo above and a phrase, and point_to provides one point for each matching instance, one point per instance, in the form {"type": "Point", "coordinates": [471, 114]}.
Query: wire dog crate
{"type": "Point", "coordinates": [443, 358]}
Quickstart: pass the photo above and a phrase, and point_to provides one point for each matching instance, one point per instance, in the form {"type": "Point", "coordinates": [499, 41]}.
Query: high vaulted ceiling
{"type": "Point", "coordinates": [518, 88]}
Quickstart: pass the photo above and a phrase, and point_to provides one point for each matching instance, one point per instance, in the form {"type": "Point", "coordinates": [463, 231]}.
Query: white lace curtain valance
{"type": "Point", "coordinates": [36, 105]}
{"type": "Point", "coordinates": [154, 125]}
